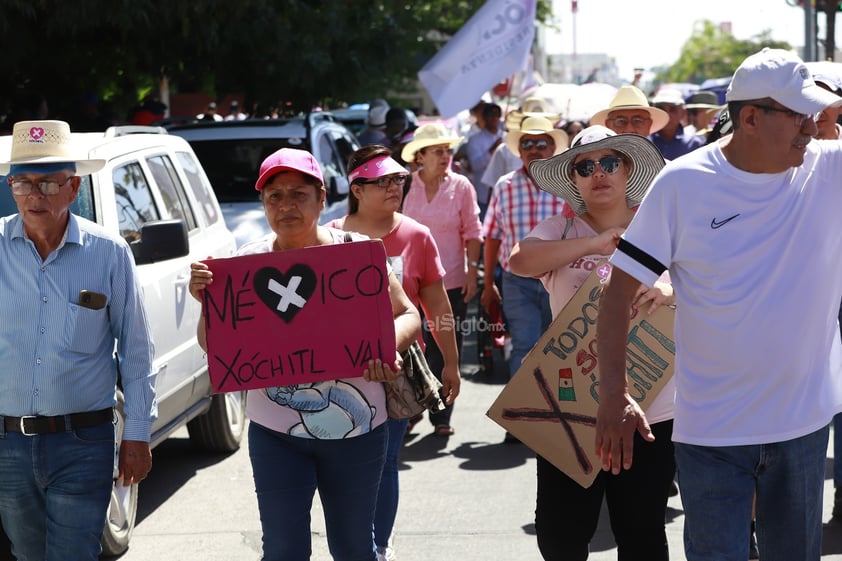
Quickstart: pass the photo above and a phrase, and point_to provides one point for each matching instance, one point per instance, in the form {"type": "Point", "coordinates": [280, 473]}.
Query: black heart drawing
{"type": "Point", "coordinates": [285, 293]}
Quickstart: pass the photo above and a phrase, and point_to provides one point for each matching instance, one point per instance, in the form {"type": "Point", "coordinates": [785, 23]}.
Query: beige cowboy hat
{"type": "Point", "coordinates": [630, 97]}
{"type": "Point", "coordinates": [46, 142]}
{"type": "Point", "coordinates": [536, 126]}
{"type": "Point", "coordinates": [555, 175]}
{"type": "Point", "coordinates": [532, 107]}
{"type": "Point", "coordinates": [430, 134]}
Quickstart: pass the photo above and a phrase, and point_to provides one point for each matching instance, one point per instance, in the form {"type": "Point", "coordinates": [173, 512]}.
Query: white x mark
{"type": "Point", "coordinates": [287, 293]}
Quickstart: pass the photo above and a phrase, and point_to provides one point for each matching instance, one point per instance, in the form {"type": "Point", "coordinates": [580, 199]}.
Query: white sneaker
{"type": "Point", "coordinates": [385, 554]}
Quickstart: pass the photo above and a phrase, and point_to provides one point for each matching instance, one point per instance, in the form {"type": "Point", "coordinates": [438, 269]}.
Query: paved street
{"type": "Point", "coordinates": [469, 497]}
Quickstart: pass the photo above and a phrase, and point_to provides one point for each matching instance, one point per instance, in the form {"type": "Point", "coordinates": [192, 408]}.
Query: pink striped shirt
{"type": "Point", "coordinates": [452, 217]}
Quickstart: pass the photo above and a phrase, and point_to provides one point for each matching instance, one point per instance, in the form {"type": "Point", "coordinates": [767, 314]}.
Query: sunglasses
{"type": "Point", "coordinates": [609, 164]}
{"type": "Point", "coordinates": [385, 181]}
{"type": "Point", "coordinates": [529, 143]}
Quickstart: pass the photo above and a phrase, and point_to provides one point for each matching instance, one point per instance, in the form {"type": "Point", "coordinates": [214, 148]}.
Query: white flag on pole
{"type": "Point", "coordinates": [491, 46]}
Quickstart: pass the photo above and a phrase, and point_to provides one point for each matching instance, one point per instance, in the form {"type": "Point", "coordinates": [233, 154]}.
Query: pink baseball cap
{"type": "Point", "coordinates": [376, 167]}
{"type": "Point", "coordinates": [288, 159]}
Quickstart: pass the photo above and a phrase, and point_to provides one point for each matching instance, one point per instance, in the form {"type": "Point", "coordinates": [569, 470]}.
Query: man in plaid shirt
{"type": "Point", "coordinates": [516, 207]}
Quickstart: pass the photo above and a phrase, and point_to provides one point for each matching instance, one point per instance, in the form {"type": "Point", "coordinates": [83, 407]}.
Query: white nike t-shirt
{"type": "Point", "coordinates": [756, 264]}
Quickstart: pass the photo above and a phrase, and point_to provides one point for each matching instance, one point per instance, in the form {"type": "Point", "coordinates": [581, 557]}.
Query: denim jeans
{"type": "Point", "coordinates": [718, 484]}
{"type": "Point", "coordinates": [387, 498]}
{"type": "Point", "coordinates": [433, 354]}
{"type": "Point", "coordinates": [288, 470]}
{"type": "Point", "coordinates": [526, 306]}
{"type": "Point", "coordinates": [54, 492]}
{"type": "Point", "coordinates": [567, 514]}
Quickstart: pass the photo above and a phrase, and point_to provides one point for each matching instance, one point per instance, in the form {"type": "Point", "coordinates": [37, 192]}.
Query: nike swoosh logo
{"type": "Point", "coordinates": [714, 224]}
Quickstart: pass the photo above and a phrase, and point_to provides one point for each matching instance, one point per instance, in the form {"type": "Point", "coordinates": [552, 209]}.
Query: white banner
{"type": "Point", "coordinates": [491, 46]}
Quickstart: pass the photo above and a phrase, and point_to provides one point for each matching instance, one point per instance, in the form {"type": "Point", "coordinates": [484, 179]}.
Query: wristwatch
{"type": "Point", "coordinates": [474, 264]}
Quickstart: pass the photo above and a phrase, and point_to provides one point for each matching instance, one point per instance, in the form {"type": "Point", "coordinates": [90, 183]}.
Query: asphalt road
{"type": "Point", "coordinates": [466, 498]}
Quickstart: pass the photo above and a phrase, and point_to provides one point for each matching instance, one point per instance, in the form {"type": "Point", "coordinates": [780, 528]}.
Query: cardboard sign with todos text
{"type": "Point", "coordinates": [298, 316]}
{"type": "Point", "coordinates": [551, 402]}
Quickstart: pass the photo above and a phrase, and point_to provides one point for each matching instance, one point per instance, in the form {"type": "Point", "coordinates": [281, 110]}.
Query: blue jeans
{"type": "Point", "coordinates": [526, 306]}
{"type": "Point", "coordinates": [387, 498]}
{"type": "Point", "coordinates": [54, 492]}
{"type": "Point", "coordinates": [718, 484]}
{"type": "Point", "coordinates": [288, 470]}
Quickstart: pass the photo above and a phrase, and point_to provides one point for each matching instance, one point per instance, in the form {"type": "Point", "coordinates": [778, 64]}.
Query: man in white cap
{"type": "Point", "coordinates": [69, 290]}
{"type": "Point", "coordinates": [748, 227]}
{"type": "Point", "coordinates": [672, 140]}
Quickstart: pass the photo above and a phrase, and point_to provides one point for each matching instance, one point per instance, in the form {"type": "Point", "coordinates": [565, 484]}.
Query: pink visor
{"type": "Point", "coordinates": [376, 167]}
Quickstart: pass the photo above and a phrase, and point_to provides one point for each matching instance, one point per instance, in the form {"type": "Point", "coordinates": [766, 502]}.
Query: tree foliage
{"type": "Point", "coordinates": [711, 52]}
{"type": "Point", "coordinates": [303, 51]}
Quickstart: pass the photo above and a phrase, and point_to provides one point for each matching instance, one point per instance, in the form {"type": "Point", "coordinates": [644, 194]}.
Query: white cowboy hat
{"type": "Point", "coordinates": [536, 126]}
{"type": "Point", "coordinates": [532, 107]}
{"type": "Point", "coordinates": [46, 142]}
{"type": "Point", "coordinates": [555, 175]}
{"type": "Point", "coordinates": [630, 97]}
{"type": "Point", "coordinates": [430, 134]}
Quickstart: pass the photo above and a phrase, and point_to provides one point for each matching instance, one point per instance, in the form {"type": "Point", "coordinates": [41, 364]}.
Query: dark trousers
{"type": "Point", "coordinates": [433, 353]}
{"type": "Point", "coordinates": [566, 514]}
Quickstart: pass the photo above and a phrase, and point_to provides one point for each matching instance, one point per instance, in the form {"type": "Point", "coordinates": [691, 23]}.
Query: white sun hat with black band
{"type": "Point", "coordinates": [555, 175]}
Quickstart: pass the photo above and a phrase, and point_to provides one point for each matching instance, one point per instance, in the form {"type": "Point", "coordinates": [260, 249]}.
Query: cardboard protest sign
{"type": "Point", "coordinates": [298, 316]}
{"type": "Point", "coordinates": [551, 402]}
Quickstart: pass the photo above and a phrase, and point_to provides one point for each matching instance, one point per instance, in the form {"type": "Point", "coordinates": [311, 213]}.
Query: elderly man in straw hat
{"type": "Point", "coordinates": [630, 111]}
{"type": "Point", "coordinates": [748, 228]}
{"type": "Point", "coordinates": [69, 290]}
{"type": "Point", "coordinates": [516, 207]}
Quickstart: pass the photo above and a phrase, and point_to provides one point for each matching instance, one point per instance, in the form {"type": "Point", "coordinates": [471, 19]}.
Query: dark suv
{"type": "Point", "coordinates": [231, 153]}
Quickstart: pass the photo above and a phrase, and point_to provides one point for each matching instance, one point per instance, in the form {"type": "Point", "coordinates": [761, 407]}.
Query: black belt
{"type": "Point", "coordinates": [32, 425]}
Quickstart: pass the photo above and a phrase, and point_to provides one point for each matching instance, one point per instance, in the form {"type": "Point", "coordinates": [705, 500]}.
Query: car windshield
{"type": "Point", "coordinates": [232, 165]}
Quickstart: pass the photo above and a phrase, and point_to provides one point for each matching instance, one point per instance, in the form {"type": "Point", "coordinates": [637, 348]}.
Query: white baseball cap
{"type": "Point", "coordinates": [782, 76]}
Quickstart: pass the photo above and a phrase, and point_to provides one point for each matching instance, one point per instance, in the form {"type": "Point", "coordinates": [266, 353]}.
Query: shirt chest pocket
{"type": "Point", "coordinates": [85, 329]}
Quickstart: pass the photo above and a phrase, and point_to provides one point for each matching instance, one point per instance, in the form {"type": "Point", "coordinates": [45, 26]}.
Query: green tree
{"type": "Point", "coordinates": [304, 51]}
{"type": "Point", "coordinates": [711, 52]}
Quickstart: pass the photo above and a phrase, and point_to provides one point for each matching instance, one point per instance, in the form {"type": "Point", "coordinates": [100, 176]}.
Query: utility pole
{"type": "Point", "coordinates": [809, 31]}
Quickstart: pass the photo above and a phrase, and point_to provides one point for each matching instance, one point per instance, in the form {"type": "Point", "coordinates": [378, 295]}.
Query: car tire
{"type": "Point", "coordinates": [221, 428]}
{"type": "Point", "coordinates": [122, 508]}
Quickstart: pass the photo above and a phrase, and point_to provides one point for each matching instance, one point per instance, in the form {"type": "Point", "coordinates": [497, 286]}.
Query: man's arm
{"type": "Point", "coordinates": [618, 416]}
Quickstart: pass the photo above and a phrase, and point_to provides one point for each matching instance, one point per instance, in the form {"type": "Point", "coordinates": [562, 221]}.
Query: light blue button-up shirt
{"type": "Point", "coordinates": [57, 357]}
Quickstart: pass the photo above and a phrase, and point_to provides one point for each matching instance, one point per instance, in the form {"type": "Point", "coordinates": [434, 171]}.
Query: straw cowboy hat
{"type": "Point", "coordinates": [630, 97]}
{"type": "Point", "coordinates": [532, 107]}
{"type": "Point", "coordinates": [431, 134]}
{"type": "Point", "coordinates": [535, 126]}
{"type": "Point", "coordinates": [46, 142]}
{"type": "Point", "coordinates": [555, 175]}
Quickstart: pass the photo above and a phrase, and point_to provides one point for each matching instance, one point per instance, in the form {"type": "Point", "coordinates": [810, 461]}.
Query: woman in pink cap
{"type": "Point", "coordinates": [289, 463]}
{"type": "Point", "coordinates": [377, 183]}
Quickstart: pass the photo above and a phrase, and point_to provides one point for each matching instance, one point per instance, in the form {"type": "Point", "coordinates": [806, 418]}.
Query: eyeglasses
{"type": "Point", "coordinates": [438, 151]}
{"type": "Point", "coordinates": [23, 187]}
{"type": "Point", "coordinates": [529, 143]}
{"type": "Point", "coordinates": [387, 180]}
{"type": "Point", "coordinates": [623, 122]}
{"type": "Point", "coordinates": [609, 164]}
{"type": "Point", "coordinates": [800, 118]}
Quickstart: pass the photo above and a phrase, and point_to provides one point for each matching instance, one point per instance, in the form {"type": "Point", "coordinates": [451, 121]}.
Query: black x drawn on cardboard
{"type": "Point", "coordinates": [554, 415]}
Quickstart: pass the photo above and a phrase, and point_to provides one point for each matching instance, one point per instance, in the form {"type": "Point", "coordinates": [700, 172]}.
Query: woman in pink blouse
{"type": "Point", "coordinates": [446, 203]}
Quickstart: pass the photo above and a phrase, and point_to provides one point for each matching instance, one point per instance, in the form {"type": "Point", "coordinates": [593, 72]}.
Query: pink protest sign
{"type": "Point", "coordinates": [298, 316]}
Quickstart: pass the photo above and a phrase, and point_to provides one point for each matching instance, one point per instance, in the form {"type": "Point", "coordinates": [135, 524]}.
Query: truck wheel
{"type": "Point", "coordinates": [221, 428]}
